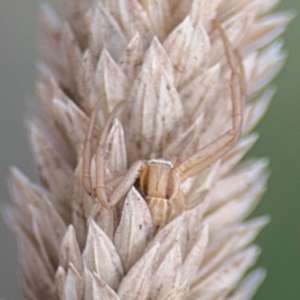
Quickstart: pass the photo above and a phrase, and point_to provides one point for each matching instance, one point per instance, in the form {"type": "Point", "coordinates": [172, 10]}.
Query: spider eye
{"type": "Point", "coordinates": [160, 161]}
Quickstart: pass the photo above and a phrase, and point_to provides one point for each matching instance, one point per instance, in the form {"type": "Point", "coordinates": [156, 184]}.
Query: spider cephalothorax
{"type": "Point", "coordinates": [159, 180]}
{"type": "Point", "coordinates": [159, 184]}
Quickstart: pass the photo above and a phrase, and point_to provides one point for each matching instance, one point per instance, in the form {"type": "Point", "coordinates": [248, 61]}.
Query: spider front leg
{"type": "Point", "coordinates": [101, 187]}
{"type": "Point", "coordinates": [87, 154]}
{"type": "Point", "coordinates": [123, 187]}
{"type": "Point", "coordinates": [221, 145]}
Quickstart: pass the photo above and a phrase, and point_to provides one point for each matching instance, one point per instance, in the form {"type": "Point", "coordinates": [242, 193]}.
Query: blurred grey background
{"type": "Point", "coordinates": [279, 140]}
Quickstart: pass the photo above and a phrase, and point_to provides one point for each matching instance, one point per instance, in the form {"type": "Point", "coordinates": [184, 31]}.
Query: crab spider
{"type": "Point", "coordinates": [159, 180]}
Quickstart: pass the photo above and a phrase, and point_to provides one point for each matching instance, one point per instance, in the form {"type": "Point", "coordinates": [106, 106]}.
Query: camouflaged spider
{"type": "Point", "coordinates": [159, 180]}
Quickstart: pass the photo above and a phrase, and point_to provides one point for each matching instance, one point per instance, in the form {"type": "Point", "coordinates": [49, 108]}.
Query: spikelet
{"type": "Point", "coordinates": [165, 60]}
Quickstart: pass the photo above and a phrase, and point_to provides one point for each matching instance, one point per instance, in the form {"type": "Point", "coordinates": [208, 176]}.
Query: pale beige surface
{"type": "Point", "coordinates": [279, 139]}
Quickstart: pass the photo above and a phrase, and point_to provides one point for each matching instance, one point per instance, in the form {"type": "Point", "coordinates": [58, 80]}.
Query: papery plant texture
{"type": "Point", "coordinates": [175, 226]}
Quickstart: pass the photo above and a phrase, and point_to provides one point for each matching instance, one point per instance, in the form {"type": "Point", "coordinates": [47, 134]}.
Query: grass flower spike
{"type": "Point", "coordinates": [146, 109]}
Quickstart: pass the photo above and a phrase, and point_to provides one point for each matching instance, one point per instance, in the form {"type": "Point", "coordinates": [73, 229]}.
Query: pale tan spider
{"type": "Point", "coordinates": [158, 179]}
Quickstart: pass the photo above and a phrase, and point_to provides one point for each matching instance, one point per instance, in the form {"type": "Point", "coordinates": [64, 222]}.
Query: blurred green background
{"type": "Point", "coordinates": [279, 140]}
